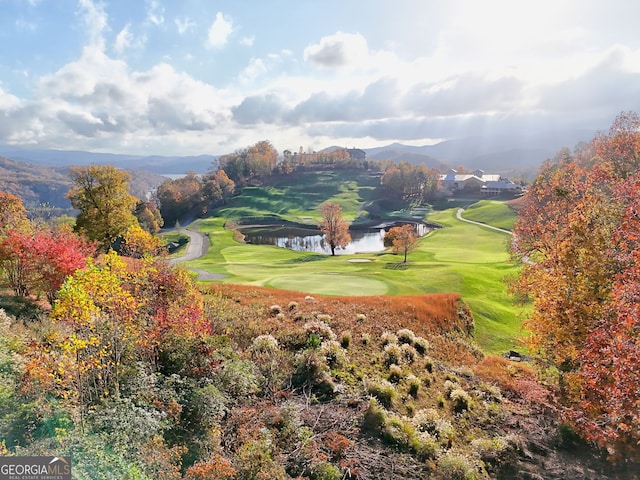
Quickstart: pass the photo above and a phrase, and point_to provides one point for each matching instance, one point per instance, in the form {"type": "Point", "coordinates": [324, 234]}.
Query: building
{"type": "Point", "coordinates": [477, 182]}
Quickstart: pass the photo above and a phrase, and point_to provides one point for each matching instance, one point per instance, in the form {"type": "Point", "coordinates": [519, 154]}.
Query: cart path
{"type": "Point", "coordinates": [196, 248]}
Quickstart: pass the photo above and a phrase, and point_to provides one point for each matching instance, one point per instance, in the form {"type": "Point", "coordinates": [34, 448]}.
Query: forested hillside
{"type": "Point", "coordinates": [43, 185]}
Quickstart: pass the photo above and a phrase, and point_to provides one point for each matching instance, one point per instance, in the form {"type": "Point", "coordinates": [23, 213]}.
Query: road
{"type": "Point", "coordinates": [196, 248]}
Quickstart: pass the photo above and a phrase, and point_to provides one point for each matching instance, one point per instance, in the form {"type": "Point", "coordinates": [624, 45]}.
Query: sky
{"type": "Point", "coordinates": [189, 77]}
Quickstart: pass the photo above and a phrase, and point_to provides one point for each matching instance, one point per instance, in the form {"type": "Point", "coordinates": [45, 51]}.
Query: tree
{"type": "Point", "coordinates": [334, 228]}
{"type": "Point", "coordinates": [579, 229]}
{"type": "Point", "coordinates": [218, 188]}
{"type": "Point", "coordinates": [102, 196]}
{"type": "Point", "coordinates": [149, 216]}
{"type": "Point", "coordinates": [414, 183]}
{"type": "Point", "coordinates": [137, 243]}
{"type": "Point", "coordinates": [38, 260]}
{"type": "Point", "coordinates": [403, 239]}
{"type": "Point", "coordinates": [252, 164]}
{"type": "Point", "coordinates": [180, 198]}
{"type": "Point", "coordinates": [12, 211]}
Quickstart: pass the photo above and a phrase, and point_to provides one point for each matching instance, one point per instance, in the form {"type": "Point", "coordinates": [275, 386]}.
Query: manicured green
{"type": "Point", "coordinates": [491, 212]}
{"type": "Point", "coordinates": [460, 257]}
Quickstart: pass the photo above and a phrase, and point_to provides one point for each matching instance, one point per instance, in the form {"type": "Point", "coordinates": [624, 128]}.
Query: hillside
{"type": "Point", "coordinates": [40, 184]}
{"type": "Point", "coordinates": [286, 385]}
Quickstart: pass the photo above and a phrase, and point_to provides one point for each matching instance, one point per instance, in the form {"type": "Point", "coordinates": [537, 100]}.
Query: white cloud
{"type": "Point", "coordinates": [123, 39]}
{"type": "Point", "coordinates": [338, 50]}
{"type": "Point", "coordinates": [184, 25]}
{"type": "Point", "coordinates": [247, 41]}
{"type": "Point", "coordinates": [95, 20]}
{"type": "Point", "coordinates": [219, 31]}
{"type": "Point", "coordinates": [155, 12]}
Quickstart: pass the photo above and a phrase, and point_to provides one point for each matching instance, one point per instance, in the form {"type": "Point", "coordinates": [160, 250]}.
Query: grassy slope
{"type": "Point", "coordinates": [491, 212]}
{"type": "Point", "coordinates": [461, 258]}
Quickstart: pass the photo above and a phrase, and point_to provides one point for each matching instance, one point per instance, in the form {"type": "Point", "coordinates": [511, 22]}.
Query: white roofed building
{"type": "Point", "coordinates": [477, 182]}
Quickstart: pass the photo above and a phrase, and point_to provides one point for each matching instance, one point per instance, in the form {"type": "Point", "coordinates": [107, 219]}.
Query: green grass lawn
{"type": "Point", "coordinates": [460, 257]}
{"type": "Point", "coordinates": [491, 212]}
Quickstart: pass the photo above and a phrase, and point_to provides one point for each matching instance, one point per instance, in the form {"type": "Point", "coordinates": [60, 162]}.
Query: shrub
{"type": "Point", "coordinates": [461, 399]}
{"type": "Point", "coordinates": [408, 353]}
{"type": "Point", "coordinates": [406, 336]}
{"type": "Point", "coordinates": [430, 421]}
{"type": "Point", "coordinates": [496, 450]}
{"type": "Point", "coordinates": [449, 386]}
{"type": "Point", "coordinates": [280, 316]}
{"type": "Point", "coordinates": [323, 317]}
{"type": "Point", "coordinates": [275, 309]}
{"type": "Point", "coordinates": [333, 353]}
{"type": "Point", "coordinates": [365, 338]}
{"type": "Point", "coordinates": [398, 432]}
{"type": "Point", "coordinates": [361, 317]}
{"type": "Point", "coordinates": [326, 471]}
{"type": "Point", "coordinates": [238, 379]}
{"type": "Point", "coordinates": [309, 299]}
{"type": "Point", "coordinates": [414, 385]}
{"type": "Point", "coordinates": [388, 338]}
{"type": "Point", "coordinates": [454, 466]}
{"type": "Point", "coordinates": [374, 417]}
{"type": "Point", "coordinates": [395, 373]}
{"type": "Point", "coordinates": [425, 446]}
{"type": "Point", "coordinates": [345, 339]}
{"type": "Point", "coordinates": [292, 306]}
{"type": "Point", "coordinates": [384, 392]}
{"type": "Point", "coordinates": [311, 370]}
{"type": "Point", "coordinates": [428, 365]}
{"type": "Point", "coordinates": [421, 345]}
{"type": "Point", "coordinates": [392, 354]}
{"type": "Point", "coordinates": [320, 328]}
{"type": "Point", "coordinates": [264, 344]}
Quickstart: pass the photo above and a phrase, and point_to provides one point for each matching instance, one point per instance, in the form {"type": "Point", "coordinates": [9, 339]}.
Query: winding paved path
{"type": "Point", "coordinates": [196, 248]}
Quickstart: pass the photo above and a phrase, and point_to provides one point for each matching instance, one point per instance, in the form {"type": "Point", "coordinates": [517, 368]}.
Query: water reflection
{"type": "Point", "coordinates": [312, 240]}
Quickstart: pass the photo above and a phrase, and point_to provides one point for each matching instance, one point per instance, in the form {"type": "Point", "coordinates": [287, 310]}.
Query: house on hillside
{"type": "Point", "coordinates": [357, 154]}
{"type": "Point", "coordinates": [477, 182]}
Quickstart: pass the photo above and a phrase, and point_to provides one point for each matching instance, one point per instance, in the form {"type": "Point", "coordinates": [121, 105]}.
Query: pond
{"type": "Point", "coordinates": [368, 240]}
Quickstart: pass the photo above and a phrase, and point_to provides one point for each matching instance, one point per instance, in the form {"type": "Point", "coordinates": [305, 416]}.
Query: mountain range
{"type": "Point", "coordinates": [503, 154]}
{"type": "Point", "coordinates": [40, 176]}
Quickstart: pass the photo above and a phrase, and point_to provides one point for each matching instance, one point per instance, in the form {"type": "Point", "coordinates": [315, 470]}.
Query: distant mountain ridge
{"type": "Point", "coordinates": [38, 184]}
{"type": "Point", "coordinates": [502, 154]}
{"type": "Point", "coordinates": [153, 163]}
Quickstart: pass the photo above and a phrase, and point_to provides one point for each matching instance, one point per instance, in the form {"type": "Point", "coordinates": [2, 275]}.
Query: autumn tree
{"type": "Point", "coordinates": [403, 239]}
{"type": "Point", "coordinates": [12, 212]}
{"type": "Point", "coordinates": [252, 164]}
{"type": "Point", "coordinates": [217, 188]}
{"type": "Point", "coordinates": [106, 207]}
{"type": "Point", "coordinates": [334, 228]}
{"type": "Point", "coordinates": [149, 216]}
{"type": "Point", "coordinates": [137, 242]}
{"type": "Point", "coordinates": [415, 183]}
{"type": "Point", "coordinates": [37, 260]}
{"type": "Point", "coordinates": [578, 233]}
{"type": "Point", "coordinates": [180, 198]}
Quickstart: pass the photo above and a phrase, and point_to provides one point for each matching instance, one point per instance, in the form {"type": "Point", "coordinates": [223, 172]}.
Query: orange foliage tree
{"type": "Point", "coordinates": [578, 231]}
{"type": "Point", "coordinates": [403, 239]}
{"type": "Point", "coordinates": [335, 229]}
